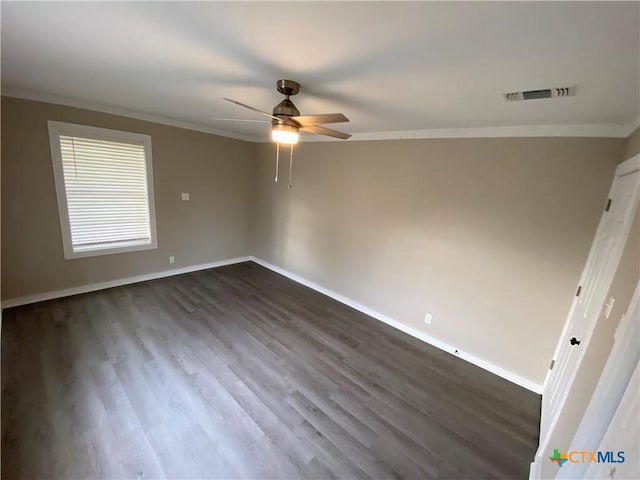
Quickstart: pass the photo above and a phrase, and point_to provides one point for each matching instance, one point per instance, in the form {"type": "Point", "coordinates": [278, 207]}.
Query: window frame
{"type": "Point", "coordinates": [56, 129]}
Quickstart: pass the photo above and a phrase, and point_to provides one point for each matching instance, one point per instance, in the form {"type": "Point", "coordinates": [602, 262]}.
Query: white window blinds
{"type": "Point", "coordinates": [106, 191]}
{"type": "Point", "coordinates": [106, 187]}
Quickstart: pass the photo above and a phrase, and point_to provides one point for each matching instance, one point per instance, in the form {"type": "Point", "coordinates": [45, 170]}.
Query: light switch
{"type": "Point", "coordinates": [185, 196]}
{"type": "Point", "coordinates": [610, 303]}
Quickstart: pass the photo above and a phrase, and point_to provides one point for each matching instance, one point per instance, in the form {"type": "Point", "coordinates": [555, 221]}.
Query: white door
{"type": "Point", "coordinates": [622, 436]}
{"type": "Point", "coordinates": [590, 295]}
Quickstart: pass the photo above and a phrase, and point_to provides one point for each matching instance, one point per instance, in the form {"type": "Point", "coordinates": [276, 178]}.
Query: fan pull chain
{"type": "Point", "coordinates": [277, 159]}
{"type": "Point", "coordinates": [290, 166]}
{"type": "Point", "coordinates": [75, 164]}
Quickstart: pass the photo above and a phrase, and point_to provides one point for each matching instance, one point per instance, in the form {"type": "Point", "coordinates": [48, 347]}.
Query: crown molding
{"type": "Point", "coordinates": [593, 130]}
{"type": "Point", "coordinates": [122, 112]}
{"type": "Point", "coordinates": [609, 130]}
{"type": "Point", "coordinates": [632, 126]}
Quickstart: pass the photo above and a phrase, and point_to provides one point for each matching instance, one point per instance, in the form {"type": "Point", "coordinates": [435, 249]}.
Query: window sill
{"type": "Point", "coordinates": [108, 250]}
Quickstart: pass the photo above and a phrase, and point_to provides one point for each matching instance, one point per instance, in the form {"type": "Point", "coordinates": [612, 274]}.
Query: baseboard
{"type": "Point", "coordinates": [534, 469]}
{"type": "Point", "coordinates": [40, 297]}
{"type": "Point", "coordinates": [490, 367]}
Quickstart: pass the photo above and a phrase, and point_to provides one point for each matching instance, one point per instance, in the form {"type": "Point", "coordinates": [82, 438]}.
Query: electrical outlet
{"type": "Point", "coordinates": [184, 196]}
{"type": "Point", "coordinates": [427, 318]}
{"type": "Point", "coordinates": [172, 259]}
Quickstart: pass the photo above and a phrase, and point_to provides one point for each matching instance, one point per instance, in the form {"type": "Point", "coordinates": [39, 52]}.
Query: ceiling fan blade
{"type": "Point", "coordinates": [239, 120]}
{"type": "Point", "coordinates": [325, 131]}
{"type": "Point", "coordinates": [305, 120]}
{"type": "Point", "coordinates": [252, 108]}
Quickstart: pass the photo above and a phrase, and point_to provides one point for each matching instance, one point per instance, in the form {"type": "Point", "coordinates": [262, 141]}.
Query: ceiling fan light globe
{"type": "Point", "coordinates": [284, 134]}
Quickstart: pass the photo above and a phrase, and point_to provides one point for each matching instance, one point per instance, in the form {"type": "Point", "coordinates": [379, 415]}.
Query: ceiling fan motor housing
{"type": "Point", "coordinates": [286, 107]}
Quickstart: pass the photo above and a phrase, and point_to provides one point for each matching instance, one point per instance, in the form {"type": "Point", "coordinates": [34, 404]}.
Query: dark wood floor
{"type": "Point", "coordinates": [240, 373]}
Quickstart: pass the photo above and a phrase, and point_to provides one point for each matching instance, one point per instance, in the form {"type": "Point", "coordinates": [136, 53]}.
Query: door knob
{"type": "Point", "coordinates": [574, 341]}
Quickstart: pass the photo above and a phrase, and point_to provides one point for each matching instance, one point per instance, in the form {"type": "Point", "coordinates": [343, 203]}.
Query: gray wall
{"type": "Point", "coordinates": [213, 225]}
{"type": "Point", "coordinates": [487, 235]}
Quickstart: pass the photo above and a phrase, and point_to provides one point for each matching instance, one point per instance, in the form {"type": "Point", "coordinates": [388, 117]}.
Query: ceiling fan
{"type": "Point", "coordinates": [286, 121]}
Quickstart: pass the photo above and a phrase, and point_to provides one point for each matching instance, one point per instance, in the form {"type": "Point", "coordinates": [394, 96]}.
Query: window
{"type": "Point", "coordinates": [104, 183]}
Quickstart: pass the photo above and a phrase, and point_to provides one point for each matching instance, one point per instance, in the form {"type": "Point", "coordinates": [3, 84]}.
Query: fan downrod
{"type": "Point", "coordinates": [288, 87]}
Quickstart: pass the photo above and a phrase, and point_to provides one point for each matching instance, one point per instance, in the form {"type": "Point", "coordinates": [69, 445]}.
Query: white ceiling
{"type": "Point", "coordinates": [395, 69]}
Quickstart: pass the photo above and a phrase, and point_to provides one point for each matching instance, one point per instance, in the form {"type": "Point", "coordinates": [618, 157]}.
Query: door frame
{"type": "Point", "coordinates": [627, 167]}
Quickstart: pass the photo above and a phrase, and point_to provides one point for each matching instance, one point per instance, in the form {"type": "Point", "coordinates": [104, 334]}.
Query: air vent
{"type": "Point", "coordinates": [555, 92]}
